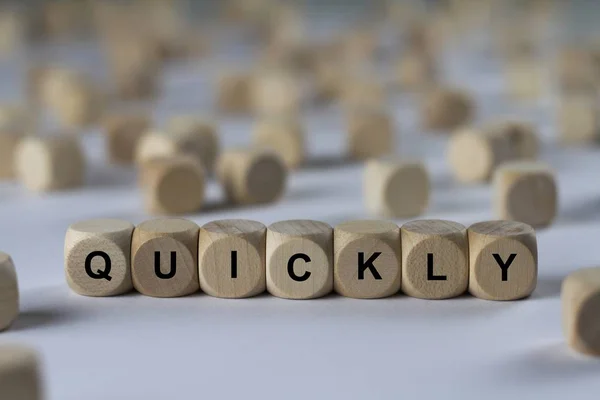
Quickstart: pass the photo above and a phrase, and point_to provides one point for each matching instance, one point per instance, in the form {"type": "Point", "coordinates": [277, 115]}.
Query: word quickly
{"type": "Point", "coordinates": [302, 259]}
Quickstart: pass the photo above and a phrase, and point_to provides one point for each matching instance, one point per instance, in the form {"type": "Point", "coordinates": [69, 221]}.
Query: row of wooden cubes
{"type": "Point", "coordinates": [302, 259]}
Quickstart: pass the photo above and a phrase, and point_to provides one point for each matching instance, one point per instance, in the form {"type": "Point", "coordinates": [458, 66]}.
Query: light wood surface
{"type": "Point", "coordinates": [434, 259]}
{"type": "Point", "coordinates": [502, 260]}
{"type": "Point", "coordinates": [474, 154]}
{"type": "Point", "coordinates": [20, 373]}
{"type": "Point", "coordinates": [521, 135]}
{"type": "Point", "coordinates": [577, 119]}
{"type": "Point", "coordinates": [385, 183]}
{"type": "Point", "coordinates": [284, 135]}
{"type": "Point", "coordinates": [231, 258]}
{"type": "Point", "coordinates": [580, 297]}
{"type": "Point", "coordinates": [50, 163]}
{"type": "Point", "coordinates": [277, 93]}
{"type": "Point", "coordinates": [360, 92]}
{"type": "Point", "coordinates": [445, 109]}
{"type": "Point", "coordinates": [173, 240]}
{"type": "Point", "coordinates": [98, 257]}
{"type": "Point", "coordinates": [252, 175]}
{"type": "Point", "coordinates": [122, 132]}
{"type": "Point", "coordinates": [525, 191]}
{"type": "Point", "coordinates": [371, 133]}
{"type": "Point", "coordinates": [234, 93]}
{"type": "Point", "coordinates": [173, 185]}
{"type": "Point", "coordinates": [13, 125]}
{"type": "Point", "coordinates": [415, 71]}
{"type": "Point", "coordinates": [525, 78]}
{"type": "Point", "coordinates": [197, 137]}
{"type": "Point", "coordinates": [299, 259]}
{"type": "Point", "coordinates": [366, 259]}
{"type": "Point", "coordinates": [9, 292]}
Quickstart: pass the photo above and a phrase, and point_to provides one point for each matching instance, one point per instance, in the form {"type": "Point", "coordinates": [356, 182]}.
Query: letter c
{"type": "Point", "coordinates": [290, 267]}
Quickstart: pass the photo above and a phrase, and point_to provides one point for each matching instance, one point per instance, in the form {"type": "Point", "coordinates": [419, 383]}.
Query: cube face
{"type": "Point", "coordinates": [578, 120]}
{"type": "Point", "coordinates": [9, 292]}
{"type": "Point", "coordinates": [164, 258]}
{"type": "Point", "coordinates": [367, 259]}
{"type": "Point", "coordinates": [502, 260]}
{"type": "Point", "coordinates": [434, 259]}
{"type": "Point", "coordinates": [299, 259]}
{"type": "Point", "coordinates": [122, 135]}
{"type": "Point", "coordinates": [231, 258]}
{"type": "Point", "coordinates": [19, 373]}
{"type": "Point", "coordinates": [370, 134]}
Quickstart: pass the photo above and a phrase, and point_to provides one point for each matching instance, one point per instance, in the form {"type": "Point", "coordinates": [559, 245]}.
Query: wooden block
{"type": "Point", "coordinates": [366, 259]}
{"type": "Point", "coordinates": [577, 71]}
{"type": "Point", "coordinates": [578, 119]}
{"type": "Point", "coordinates": [580, 297]}
{"type": "Point", "coordinates": [385, 186]}
{"type": "Point", "coordinates": [521, 135]}
{"type": "Point", "coordinates": [12, 30]}
{"type": "Point", "coordinates": [252, 176]}
{"type": "Point", "coordinates": [50, 163]}
{"type": "Point", "coordinates": [525, 78]}
{"type": "Point", "coordinates": [14, 124]}
{"type": "Point", "coordinates": [164, 257]}
{"type": "Point", "coordinates": [231, 258]}
{"type": "Point", "coordinates": [359, 92]}
{"type": "Point", "coordinates": [474, 154]}
{"type": "Point", "coordinates": [434, 259]}
{"type": "Point", "coordinates": [123, 132]}
{"type": "Point", "coordinates": [8, 143]}
{"type": "Point", "coordinates": [525, 191]}
{"type": "Point", "coordinates": [173, 185]}
{"type": "Point", "coordinates": [234, 93]}
{"type": "Point", "coordinates": [416, 71]}
{"type": "Point", "coordinates": [20, 376]}
{"type": "Point", "coordinates": [276, 93]}
{"type": "Point", "coordinates": [502, 260]}
{"type": "Point", "coordinates": [299, 259]}
{"type": "Point", "coordinates": [283, 135]}
{"type": "Point", "coordinates": [98, 257]}
{"type": "Point", "coordinates": [9, 292]}
{"type": "Point", "coordinates": [371, 134]}
{"type": "Point", "coordinates": [196, 137]}
{"type": "Point", "coordinates": [447, 109]}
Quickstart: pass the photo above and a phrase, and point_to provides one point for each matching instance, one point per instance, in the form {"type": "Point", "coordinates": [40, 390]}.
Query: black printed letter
{"type": "Point", "coordinates": [504, 266]}
{"type": "Point", "coordinates": [173, 269]}
{"type": "Point", "coordinates": [430, 275]}
{"type": "Point", "coordinates": [362, 265]}
{"type": "Point", "coordinates": [99, 274]}
{"type": "Point", "coordinates": [290, 267]}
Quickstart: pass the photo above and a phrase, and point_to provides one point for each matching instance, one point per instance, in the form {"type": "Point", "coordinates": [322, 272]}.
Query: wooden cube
{"type": "Point", "coordinates": [474, 154]}
{"type": "Point", "coordinates": [283, 135]}
{"type": "Point", "coordinates": [276, 93]}
{"type": "Point", "coordinates": [123, 132]}
{"type": "Point", "coordinates": [20, 376]}
{"type": "Point", "coordinates": [580, 297]}
{"type": "Point", "coordinates": [164, 257]}
{"type": "Point", "coordinates": [522, 137]}
{"type": "Point", "coordinates": [231, 258]}
{"type": "Point", "coordinates": [446, 109]}
{"type": "Point", "coordinates": [8, 144]}
{"type": "Point", "coordinates": [234, 92]}
{"type": "Point", "coordinates": [252, 176]}
{"type": "Point", "coordinates": [299, 259]}
{"type": "Point", "coordinates": [502, 260]}
{"type": "Point", "coordinates": [396, 189]}
{"type": "Point", "coordinates": [50, 163]}
{"type": "Point", "coordinates": [9, 292]}
{"type": "Point", "coordinates": [577, 71]}
{"type": "Point", "coordinates": [525, 78]}
{"type": "Point", "coordinates": [12, 30]}
{"type": "Point", "coordinates": [416, 71]}
{"type": "Point", "coordinates": [98, 257]}
{"type": "Point", "coordinates": [366, 259]}
{"type": "Point", "coordinates": [359, 92]}
{"type": "Point", "coordinates": [14, 124]}
{"type": "Point", "coordinates": [578, 119]}
{"type": "Point", "coordinates": [525, 191]}
{"type": "Point", "coordinates": [173, 185]}
{"type": "Point", "coordinates": [197, 137]}
{"type": "Point", "coordinates": [435, 259]}
{"type": "Point", "coordinates": [371, 134]}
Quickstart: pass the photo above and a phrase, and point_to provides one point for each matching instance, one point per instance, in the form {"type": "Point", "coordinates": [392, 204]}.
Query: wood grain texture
{"type": "Point", "coordinates": [50, 163]}
{"type": "Point", "coordinates": [371, 134]}
{"type": "Point", "coordinates": [85, 238]}
{"type": "Point", "coordinates": [578, 121]}
{"type": "Point", "coordinates": [252, 175]}
{"type": "Point", "coordinates": [357, 242]}
{"type": "Point", "coordinates": [20, 373]}
{"type": "Point", "coordinates": [525, 191]}
{"type": "Point", "coordinates": [196, 137]}
{"type": "Point", "coordinates": [434, 259]}
{"type": "Point", "coordinates": [123, 132]}
{"type": "Point", "coordinates": [474, 154]}
{"type": "Point", "coordinates": [395, 188]}
{"type": "Point", "coordinates": [288, 240]}
{"type": "Point", "coordinates": [9, 292]}
{"type": "Point", "coordinates": [580, 298]}
{"type": "Point", "coordinates": [283, 135]}
{"type": "Point", "coordinates": [222, 275]}
{"type": "Point", "coordinates": [167, 237]}
{"type": "Point", "coordinates": [173, 185]}
{"type": "Point", "coordinates": [445, 109]}
{"type": "Point", "coordinates": [493, 244]}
